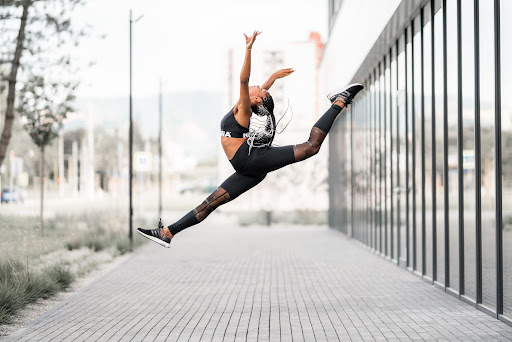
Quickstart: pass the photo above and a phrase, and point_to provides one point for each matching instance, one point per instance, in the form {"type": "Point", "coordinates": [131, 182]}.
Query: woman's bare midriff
{"type": "Point", "coordinates": [231, 145]}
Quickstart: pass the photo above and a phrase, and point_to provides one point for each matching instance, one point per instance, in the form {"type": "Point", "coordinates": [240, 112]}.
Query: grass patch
{"type": "Point", "coordinates": [103, 240]}
{"type": "Point", "coordinates": [26, 275]}
{"type": "Point", "coordinates": [20, 286]}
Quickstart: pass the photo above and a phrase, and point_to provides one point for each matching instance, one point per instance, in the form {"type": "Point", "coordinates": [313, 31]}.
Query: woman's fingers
{"type": "Point", "coordinates": [284, 72]}
{"type": "Point", "coordinates": [250, 40]}
{"type": "Point", "coordinates": [254, 34]}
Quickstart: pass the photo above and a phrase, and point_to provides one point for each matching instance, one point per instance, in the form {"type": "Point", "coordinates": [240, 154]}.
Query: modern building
{"type": "Point", "coordinates": [425, 178]}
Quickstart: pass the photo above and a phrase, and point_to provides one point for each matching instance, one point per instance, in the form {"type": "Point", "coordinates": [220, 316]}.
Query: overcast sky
{"type": "Point", "coordinates": [183, 41]}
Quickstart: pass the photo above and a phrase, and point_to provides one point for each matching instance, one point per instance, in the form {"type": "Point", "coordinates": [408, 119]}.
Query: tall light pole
{"type": "Point", "coordinates": [160, 153]}
{"type": "Point", "coordinates": [130, 137]}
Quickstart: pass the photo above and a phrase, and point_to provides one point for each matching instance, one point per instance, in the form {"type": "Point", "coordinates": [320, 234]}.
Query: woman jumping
{"type": "Point", "coordinates": [247, 132]}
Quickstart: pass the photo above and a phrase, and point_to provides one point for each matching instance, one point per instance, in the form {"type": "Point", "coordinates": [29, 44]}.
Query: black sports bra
{"type": "Point", "coordinates": [230, 128]}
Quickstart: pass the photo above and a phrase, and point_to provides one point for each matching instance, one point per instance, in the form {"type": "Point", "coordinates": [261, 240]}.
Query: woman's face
{"type": "Point", "coordinates": [257, 94]}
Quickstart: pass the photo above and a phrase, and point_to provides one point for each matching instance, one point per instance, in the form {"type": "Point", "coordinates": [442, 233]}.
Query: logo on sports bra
{"type": "Point", "coordinates": [227, 134]}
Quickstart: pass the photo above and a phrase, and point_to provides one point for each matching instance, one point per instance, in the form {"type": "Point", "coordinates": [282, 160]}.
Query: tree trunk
{"type": "Point", "coordinates": [9, 112]}
{"type": "Point", "coordinates": [41, 176]}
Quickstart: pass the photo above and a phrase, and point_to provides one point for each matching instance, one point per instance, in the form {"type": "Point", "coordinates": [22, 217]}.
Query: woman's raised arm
{"type": "Point", "coordinates": [245, 100]}
{"type": "Point", "coordinates": [278, 74]}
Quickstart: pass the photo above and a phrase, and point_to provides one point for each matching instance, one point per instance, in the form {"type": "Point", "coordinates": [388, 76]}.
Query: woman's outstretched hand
{"type": "Point", "coordinates": [283, 72]}
{"type": "Point", "coordinates": [277, 75]}
{"type": "Point", "coordinates": [250, 40]}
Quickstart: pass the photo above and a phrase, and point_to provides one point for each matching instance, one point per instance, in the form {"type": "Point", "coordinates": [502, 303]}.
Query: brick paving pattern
{"type": "Point", "coordinates": [261, 284]}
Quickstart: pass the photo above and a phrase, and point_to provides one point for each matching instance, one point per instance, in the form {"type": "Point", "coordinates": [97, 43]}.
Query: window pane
{"type": "Point", "coordinates": [488, 162]}
{"type": "Point", "coordinates": [417, 133]}
{"type": "Point", "coordinates": [427, 84]}
{"type": "Point", "coordinates": [363, 168]}
{"type": "Point", "coordinates": [348, 168]}
{"type": "Point", "coordinates": [387, 132]}
{"type": "Point", "coordinates": [453, 186]}
{"type": "Point", "coordinates": [439, 143]}
{"type": "Point", "coordinates": [367, 218]}
{"type": "Point", "coordinates": [383, 194]}
{"type": "Point", "coordinates": [371, 177]}
{"type": "Point", "coordinates": [401, 181]}
{"type": "Point", "coordinates": [506, 142]}
{"type": "Point", "coordinates": [468, 122]}
{"type": "Point", "coordinates": [356, 154]}
{"type": "Point", "coordinates": [408, 136]}
{"type": "Point", "coordinates": [344, 186]}
{"type": "Point", "coordinates": [394, 159]}
{"type": "Point", "coordinates": [377, 162]}
{"type": "Point", "coordinates": [359, 151]}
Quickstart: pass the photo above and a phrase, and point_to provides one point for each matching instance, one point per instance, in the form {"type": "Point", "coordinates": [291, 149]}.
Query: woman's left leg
{"type": "Point", "coordinates": [317, 135]}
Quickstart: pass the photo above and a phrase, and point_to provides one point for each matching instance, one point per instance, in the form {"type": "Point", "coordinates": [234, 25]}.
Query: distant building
{"type": "Point", "coordinates": [300, 186]}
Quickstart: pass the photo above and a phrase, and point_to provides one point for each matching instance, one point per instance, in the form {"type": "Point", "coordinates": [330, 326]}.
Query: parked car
{"type": "Point", "coordinates": [16, 195]}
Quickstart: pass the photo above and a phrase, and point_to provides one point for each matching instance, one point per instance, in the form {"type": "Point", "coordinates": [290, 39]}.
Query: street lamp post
{"type": "Point", "coordinates": [130, 138]}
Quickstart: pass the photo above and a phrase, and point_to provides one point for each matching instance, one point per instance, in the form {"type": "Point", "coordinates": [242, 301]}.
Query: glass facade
{"type": "Point", "coordinates": [426, 176]}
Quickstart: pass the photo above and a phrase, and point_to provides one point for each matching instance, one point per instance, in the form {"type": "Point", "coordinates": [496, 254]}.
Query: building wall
{"type": "Point", "coordinates": [427, 180]}
{"type": "Point", "coordinates": [355, 28]}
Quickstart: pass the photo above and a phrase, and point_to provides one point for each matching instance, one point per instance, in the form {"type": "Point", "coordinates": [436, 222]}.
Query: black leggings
{"type": "Point", "coordinates": [252, 168]}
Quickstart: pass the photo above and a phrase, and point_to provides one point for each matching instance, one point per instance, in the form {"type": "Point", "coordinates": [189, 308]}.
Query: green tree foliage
{"type": "Point", "coordinates": [43, 106]}
{"type": "Point", "coordinates": [35, 36]}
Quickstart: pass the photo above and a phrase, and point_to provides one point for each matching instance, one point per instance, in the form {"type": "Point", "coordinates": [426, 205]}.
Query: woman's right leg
{"type": "Point", "coordinates": [230, 189]}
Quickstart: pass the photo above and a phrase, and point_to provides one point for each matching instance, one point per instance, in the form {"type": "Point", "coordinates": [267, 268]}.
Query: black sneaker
{"type": "Point", "coordinates": [157, 235]}
{"type": "Point", "coordinates": [346, 94]}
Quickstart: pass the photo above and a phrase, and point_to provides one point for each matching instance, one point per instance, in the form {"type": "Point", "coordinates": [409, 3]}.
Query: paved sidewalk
{"type": "Point", "coordinates": [261, 284]}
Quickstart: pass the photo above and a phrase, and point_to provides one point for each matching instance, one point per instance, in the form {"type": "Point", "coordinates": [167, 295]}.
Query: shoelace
{"type": "Point", "coordinates": [346, 96]}
{"type": "Point", "coordinates": [157, 232]}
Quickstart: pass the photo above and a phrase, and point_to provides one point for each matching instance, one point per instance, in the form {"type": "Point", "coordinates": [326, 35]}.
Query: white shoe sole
{"type": "Point", "coordinates": [338, 91]}
{"type": "Point", "coordinates": [154, 239]}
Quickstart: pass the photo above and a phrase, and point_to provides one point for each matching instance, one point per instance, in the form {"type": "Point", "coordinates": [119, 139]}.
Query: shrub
{"type": "Point", "coordinates": [24, 280]}
{"type": "Point", "coordinates": [19, 286]}
{"type": "Point", "coordinates": [61, 275]}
